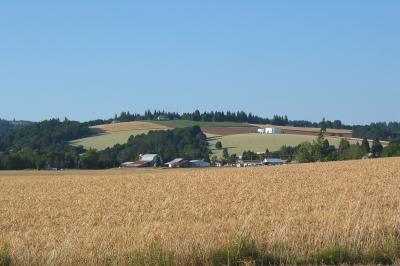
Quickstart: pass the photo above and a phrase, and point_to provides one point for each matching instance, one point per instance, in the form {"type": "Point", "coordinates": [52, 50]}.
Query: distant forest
{"type": "Point", "coordinates": [37, 145]}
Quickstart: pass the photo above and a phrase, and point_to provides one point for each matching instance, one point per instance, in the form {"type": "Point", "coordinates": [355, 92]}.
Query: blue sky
{"type": "Point", "coordinates": [306, 59]}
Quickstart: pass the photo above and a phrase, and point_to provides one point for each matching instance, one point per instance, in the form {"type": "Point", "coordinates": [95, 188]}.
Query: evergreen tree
{"type": "Point", "coordinates": [365, 145]}
{"type": "Point", "coordinates": [218, 145]}
{"type": "Point", "coordinates": [225, 153]}
{"type": "Point", "coordinates": [376, 148]}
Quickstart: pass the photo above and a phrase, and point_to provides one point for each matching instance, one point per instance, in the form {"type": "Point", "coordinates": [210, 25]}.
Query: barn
{"type": "Point", "coordinates": [146, 160]}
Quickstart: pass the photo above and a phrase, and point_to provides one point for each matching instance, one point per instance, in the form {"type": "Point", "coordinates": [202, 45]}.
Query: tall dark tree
{"type": "Point", "coordinates": [225, 153]}
{"type": "Point", "coordinates": [218, 145]}
{"type": "Point", "coordinates": [376, 148]}
{"type": "Point", "coordinates": [365, 145]}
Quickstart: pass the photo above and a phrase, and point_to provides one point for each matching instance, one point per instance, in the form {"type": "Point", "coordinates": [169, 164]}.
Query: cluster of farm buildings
{"type": "Point", "coordinates": [154, 160]}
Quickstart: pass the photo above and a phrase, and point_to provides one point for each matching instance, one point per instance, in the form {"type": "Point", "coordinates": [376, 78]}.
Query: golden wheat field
{"type": "Point", "coordinates": [111, 216]}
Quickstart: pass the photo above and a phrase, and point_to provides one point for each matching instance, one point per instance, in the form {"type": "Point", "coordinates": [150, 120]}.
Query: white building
{"type": "Point", "coordinates": [270, 130]}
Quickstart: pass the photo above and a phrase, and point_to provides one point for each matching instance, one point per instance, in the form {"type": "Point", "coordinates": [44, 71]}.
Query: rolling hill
{"type": "Point", "coordinates": [108, 135]}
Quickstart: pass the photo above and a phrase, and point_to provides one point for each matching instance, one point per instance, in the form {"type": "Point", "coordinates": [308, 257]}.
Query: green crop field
{"type": "Point", "coordinates": [260, 142]}
{"type": "Point", "coordinates": [109, 139]}
{"type": "Point", "coordinates": [187, 123]}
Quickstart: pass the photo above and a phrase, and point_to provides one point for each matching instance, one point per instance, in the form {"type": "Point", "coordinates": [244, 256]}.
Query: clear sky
{"type": "Point", "coordinates": [307, 59]}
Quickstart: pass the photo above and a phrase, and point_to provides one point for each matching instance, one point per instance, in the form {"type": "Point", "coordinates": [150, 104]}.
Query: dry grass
{"type": "Point", "coordinates": [128, 126]}
{"type": "Point", "coordinates": [102, 217]}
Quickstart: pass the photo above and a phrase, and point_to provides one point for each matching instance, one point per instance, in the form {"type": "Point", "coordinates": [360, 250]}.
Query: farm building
{"type": "Point", "coordinates": [274, 161]}
{"type": "Point", "coordinates": [146, 160]}
{"type": "Point", "coordinates": [177, 163]}
{"type": "Point", "coordinates": [162, 118]}
{"type": "Point", "coordinates": [270, 130]}
{"type": "Point", "coordinates": [199, 163]}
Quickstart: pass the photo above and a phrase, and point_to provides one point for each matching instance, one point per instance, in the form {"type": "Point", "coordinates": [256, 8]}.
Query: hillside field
{"type": "Point", "coordinates": [337, 212]}
{"type": "Point", "coordinates": [109, 139]}
{"type": "Point", "coordinates": [125, 126]}
{"type": "Point", "coordinates": [239, 143]}
{"type": "Point", "coordinates": [118, 133]}
{"type": "Point", "coordinates": [237, 137]}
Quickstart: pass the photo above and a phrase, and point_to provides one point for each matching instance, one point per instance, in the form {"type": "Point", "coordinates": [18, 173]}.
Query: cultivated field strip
{"type": "Point", "coordinates": [124, 126]}
{"type": "Point", "coordinates": [87, 217]}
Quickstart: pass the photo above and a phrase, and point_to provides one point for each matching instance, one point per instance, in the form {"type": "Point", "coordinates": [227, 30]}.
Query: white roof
{"type": "Point", "coordinates": [274, 160]}
{"type": "Point", "coordinates": [177, 160]}
{"type": "Point", "coordinates": [148, 157]}
{"type": "Point", "coordinates": [127, 163]}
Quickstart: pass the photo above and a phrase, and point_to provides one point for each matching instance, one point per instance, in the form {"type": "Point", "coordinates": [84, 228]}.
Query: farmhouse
{"type": "Point", "coordinates": [146, 160]}
{"type": "Point", "coordinates": [270, 130]}
{"type": "Point", "coordinates": [177, 163]}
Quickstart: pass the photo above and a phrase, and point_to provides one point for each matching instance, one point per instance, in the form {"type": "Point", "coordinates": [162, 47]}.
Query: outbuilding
{"type": "Point", "coordinates": [146, 160]}
{"type": "Point", "coordinates": [270, 130]}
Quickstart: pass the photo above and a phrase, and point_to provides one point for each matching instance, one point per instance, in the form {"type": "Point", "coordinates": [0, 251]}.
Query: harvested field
{"type": "Point", "coordinates": [223, 131]}
{"type": "Point", "coordinates": [116, 133]}
{"type": "Point", "coordinates": [109, 139]}
{"type": "Point", "coordinates": [124, 126]}
{"type": "Point", "coordinates": [190, 216]}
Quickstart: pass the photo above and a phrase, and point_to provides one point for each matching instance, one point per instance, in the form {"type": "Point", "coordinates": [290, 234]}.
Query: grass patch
{"type": "Point", "coordinates": [334, 256]}
{"type": "Point", "coordinates": [243, 252]}
{"type": "Point", "coordinates": [153, 255]}
{"type": "Point", "coordinates": [5, 257]}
